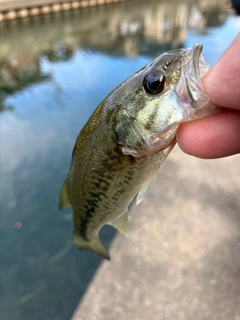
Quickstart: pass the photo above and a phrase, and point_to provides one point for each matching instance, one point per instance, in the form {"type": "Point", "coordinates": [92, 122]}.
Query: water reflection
{"type": "Point", "coordinates": [54, 70]}
{"type": "Point", "coordinates": [115, 30]}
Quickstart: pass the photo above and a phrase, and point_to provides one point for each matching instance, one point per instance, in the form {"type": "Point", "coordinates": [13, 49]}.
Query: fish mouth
{"type": "Point", "coordinates": [199, 64]}
{"type": "Point", "coordinates": [189, 87]}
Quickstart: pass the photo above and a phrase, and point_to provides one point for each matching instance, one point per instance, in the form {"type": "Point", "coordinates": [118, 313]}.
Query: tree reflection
{"type": "Point", "coordinates": [125, 30]}
{"type": "Point", "coordinates": [15, 77]}
{"type": "Point", "coordinates": [4, 107]}
{"type": "Point", "coordinates": [62, 53]}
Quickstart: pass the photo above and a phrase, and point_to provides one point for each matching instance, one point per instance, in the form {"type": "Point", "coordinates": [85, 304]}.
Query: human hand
{"type": "Point", "coordinates": [219, 135]}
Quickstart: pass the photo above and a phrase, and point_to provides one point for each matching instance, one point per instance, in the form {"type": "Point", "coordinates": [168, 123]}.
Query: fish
{"type": "Point", "coordinates": [119, 151]}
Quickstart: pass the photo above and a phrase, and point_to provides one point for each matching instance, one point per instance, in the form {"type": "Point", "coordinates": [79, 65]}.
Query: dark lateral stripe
{"type": "Point", "coordinates": [150, 120]}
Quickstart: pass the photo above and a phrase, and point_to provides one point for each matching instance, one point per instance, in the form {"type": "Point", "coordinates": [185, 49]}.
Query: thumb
{"type": "Point", "coordinates": [222, 82]}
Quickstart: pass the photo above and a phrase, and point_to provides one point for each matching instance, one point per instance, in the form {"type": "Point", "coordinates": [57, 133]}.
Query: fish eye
{"type": "Point", "coordinates": [154, 82]}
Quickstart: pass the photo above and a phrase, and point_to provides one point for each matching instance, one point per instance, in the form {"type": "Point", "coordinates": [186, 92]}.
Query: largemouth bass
{"type": "Point", "coordinates": [119, 151]}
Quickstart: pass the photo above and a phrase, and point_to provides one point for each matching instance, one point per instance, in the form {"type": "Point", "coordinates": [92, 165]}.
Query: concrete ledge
{"type": "Point", "coordinates": [181, 259]}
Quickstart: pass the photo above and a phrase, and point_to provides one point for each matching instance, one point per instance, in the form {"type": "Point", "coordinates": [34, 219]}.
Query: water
{"type": "Point", "coordinates": [54, 70]}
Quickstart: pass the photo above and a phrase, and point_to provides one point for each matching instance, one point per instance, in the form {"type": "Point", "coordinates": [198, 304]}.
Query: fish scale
{"type": "Point", "coordinates": [120, 149]}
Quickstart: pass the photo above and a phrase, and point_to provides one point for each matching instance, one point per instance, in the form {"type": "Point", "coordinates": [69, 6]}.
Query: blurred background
{"type": "Point", "coordinates": [182, 257]}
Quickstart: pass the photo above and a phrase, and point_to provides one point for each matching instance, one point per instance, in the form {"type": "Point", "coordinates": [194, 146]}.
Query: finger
{"type": "Point", "coordinates": [214, 137]}
{"type": "Point", "coordinates": [222, 82]}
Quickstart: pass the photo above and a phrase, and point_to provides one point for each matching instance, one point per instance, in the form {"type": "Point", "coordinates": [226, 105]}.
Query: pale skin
{"type": "Point", "coordinates": [219, 135]}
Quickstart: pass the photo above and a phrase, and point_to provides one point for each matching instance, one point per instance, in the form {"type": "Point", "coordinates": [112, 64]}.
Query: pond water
{"type": "Point", "coordinates": [54, 70]}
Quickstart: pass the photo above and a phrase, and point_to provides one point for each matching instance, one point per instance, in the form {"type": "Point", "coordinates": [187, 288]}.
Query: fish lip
{"type": "Point", "coordinates": [195, 69]}
{"type": "Point", "coordinates": [199, 64]}
{"type": "Point", "coordinates": [197, 50]}
{"type": "Point", "coordinates": [189, 88]}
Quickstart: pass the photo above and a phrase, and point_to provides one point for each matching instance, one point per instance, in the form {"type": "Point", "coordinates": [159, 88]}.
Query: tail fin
{"type": "Point", "coordinates": [95, 245]}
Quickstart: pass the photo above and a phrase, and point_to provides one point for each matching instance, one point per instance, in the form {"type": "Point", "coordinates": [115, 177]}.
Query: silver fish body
{"type": "Point", "coordinates": [119, 151]}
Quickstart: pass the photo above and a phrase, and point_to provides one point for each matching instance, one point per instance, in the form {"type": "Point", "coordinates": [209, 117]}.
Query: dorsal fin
{"type": "Point", "coordinates": [64, 199]}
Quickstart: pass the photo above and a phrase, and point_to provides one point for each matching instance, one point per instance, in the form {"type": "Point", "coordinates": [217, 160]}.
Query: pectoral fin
{"type": "Point", "coordinates": [64, 199]}
{"type": "Point", "coordinates": [147, 186]}
{"type": "Point", "coordinates": [121, 222]}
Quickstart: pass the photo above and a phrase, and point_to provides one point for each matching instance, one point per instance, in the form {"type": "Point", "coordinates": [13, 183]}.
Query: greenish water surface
{"type": "Point", "coordinates": [54, 70]}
